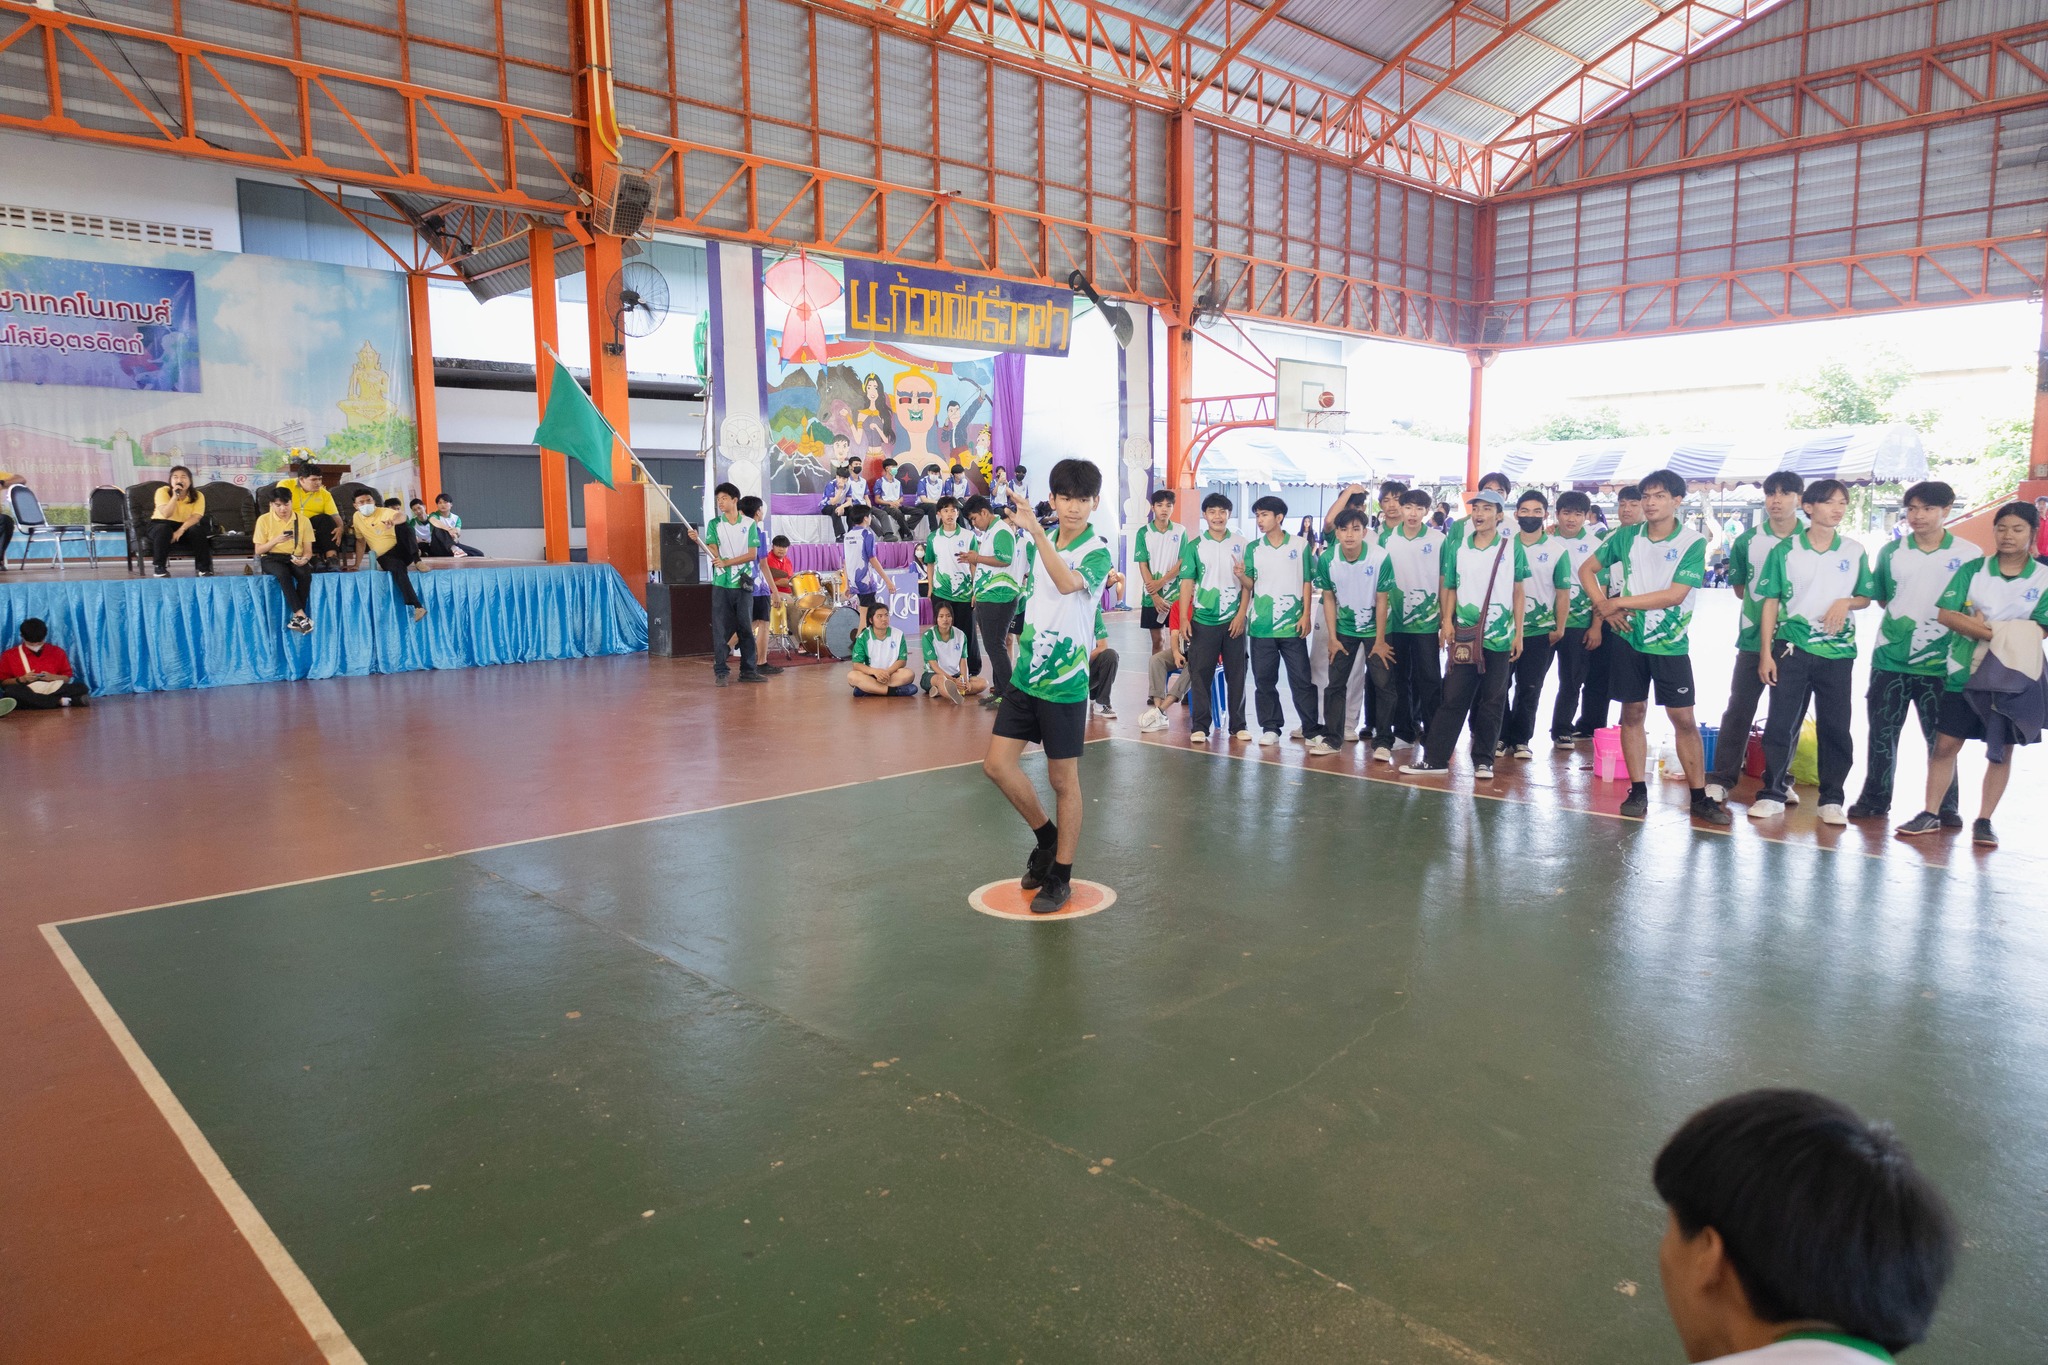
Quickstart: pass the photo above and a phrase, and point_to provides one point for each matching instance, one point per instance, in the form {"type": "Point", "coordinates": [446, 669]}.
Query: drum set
{"type": "Point", "coordinates": [821, 617]}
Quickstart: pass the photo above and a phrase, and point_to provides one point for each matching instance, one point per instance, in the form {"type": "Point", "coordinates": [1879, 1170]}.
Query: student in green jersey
{"type": "Point", "coordinates": [1909, 667]}
{"type": "Point", "coordinates": [952, 577]}
{"type": "Point", "coordinates": [944, 649]}
{"type": "Point", "coordinates": [1542, 626]}
{"type": "Point", "coordinates": [1484, 597]}
{"type": "Point", "coordinates": [1213, 606]}
{"type": "Point", "coordinates": [996, 558]}
{"type": "Point", "coordinates": [1047, 701]}
{"type": "Point", "coordinates": [1798, 1234]}
{"type": "Point", "coordinates": [1806, 642]}
{"type": "Point", "coordinates": [2007, 585]}
{"type": "Point", "coordinates": [1347, 573]}
{"type": "Point", "coordinates": [1746, 558]}
{"type": "Point", "coordinates": [1491, 482]}
{"type": "Point", "coordinates": [1157, 557]}
{"type": "Point", "coordinates": [1413, 581]}
{"type": "Point", "coordinates": [1276, 574]}
{"type": "Point", "coordinates": [1657, 567]}
{"type": "Point", "coordinates": [881, 666]}
{"type": "Point", "coordinates": [1576, 544]}
{"type": "Point", "coordinates": [733, 542]}
{"type": "Point", "coordinates": [1597, 703]}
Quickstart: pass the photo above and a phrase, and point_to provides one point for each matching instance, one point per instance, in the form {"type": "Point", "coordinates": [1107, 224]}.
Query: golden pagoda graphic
{"type": "Point", "coordinates": [369, 389]}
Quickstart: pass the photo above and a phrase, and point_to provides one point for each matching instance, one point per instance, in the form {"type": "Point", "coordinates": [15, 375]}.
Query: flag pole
{"type": "Point", "coordinates": [630, 454]}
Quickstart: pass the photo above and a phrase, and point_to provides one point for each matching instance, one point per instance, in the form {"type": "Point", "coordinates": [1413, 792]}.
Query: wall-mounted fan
{"type": "Point", "coordinates": [636, 300]}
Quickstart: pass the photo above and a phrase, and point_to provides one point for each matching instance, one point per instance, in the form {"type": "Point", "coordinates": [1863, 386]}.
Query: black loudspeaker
{"type": "Point", "coordinates": [679, 554]}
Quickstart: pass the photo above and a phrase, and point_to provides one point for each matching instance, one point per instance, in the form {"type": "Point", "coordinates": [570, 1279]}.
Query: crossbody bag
{"type": "Point", "coordinates": [1468, 642]}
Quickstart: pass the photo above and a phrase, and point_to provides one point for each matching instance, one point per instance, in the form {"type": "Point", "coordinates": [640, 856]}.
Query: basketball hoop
{"type": "Point", "coordinates": [1329, 420]}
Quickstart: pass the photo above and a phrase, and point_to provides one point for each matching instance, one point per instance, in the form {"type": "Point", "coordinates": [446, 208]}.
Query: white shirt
{"type": "Point", "coordinates": [1806, 1351]}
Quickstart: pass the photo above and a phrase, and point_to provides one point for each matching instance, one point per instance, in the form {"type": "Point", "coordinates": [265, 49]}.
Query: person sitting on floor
{"type": "Point", "coordinates": [310, 496]}
{"type": "Point", "coordinates": [422, 529]}
{"type": "Point", "coordinates": [37, 674]}
{"type": "Point", "coordinates": [376, 530]}
{"type": "Point", "coordinates": [944, 651]}
{"type": "Point", "coordinates": [448, 531]}
{"type": "Point", "coordinates": [179, 521]}
{"type": "Point", "coordinates": [879, 668]}
{"type": "Point", "coordinates": [284, 549]}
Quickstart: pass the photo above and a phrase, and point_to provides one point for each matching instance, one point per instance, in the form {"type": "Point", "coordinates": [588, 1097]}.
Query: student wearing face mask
{"type": "Point", "coordinates": [1542, 626]}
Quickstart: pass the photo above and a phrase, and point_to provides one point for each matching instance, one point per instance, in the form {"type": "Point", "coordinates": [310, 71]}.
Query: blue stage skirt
{"type": "Point", "coordinates": [154, 635]}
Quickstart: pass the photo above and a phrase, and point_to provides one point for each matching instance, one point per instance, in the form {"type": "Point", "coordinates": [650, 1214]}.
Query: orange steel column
{"type": "Point", "coordinates": [2037, 456]}
{"type": "Point", "coordinates": [1479, 360]}
{"type": "Point", "coordinates": [1180, 345]}
{"type": "Point", "coordinates": [424, 420]}
{"type": "Point", "coordinates": [614, 519]}
{"type": "Point", "coordinates": [554, 469]}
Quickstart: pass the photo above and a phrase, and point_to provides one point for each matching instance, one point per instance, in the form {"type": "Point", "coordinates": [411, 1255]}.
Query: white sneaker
{"type": "Point", "coordinates": [1833, 815]}
{"type": "Point", "coordinates": [1244, 735]}
{"type": "Point", "coordinates": [1105, 710]}
{"type": "Point", "coordinates": [1320, 748]}
{"type": "Point", "coordinates": [1199, 737]}
{"type": "Point", "coordinates": [1151, 719]}
{"type": "Point", "coordinates": [1524, 751]}
{"type": "Point", "coordinates": [1483, 773]}
{"type": "Point", "coordinates": [1268, 738]}
{"type": "Point", "coordinates": [1765, 808]}
{"type": "Point", "coordinates": [1563, 745]}
{"type": "Point", "coordinates": [1296, 733]}
{"type": "Point", "coordinates": [1716, 792]}
{"type": "Point", "coordinates": [1791, 796]}
{"type": "Point", "coordinates": [1383, 754]}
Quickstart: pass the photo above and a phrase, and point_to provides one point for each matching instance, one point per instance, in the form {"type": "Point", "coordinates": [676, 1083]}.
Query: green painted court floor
{"type": "Point", "coordinates": [1349, 1072]}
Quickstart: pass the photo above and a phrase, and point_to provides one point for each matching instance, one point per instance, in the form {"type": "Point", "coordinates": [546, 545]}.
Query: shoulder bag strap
{"type": "Point", "coordinates": [1486, 599]}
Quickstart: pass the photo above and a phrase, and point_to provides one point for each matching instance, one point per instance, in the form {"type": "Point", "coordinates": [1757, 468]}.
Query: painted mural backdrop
{"type": "Point", "coordinates": [297, 353]}
{"type": "Point", "coordinates": [831, 397]}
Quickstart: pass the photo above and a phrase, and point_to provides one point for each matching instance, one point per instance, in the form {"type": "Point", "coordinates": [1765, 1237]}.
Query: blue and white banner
{"type": "Point", "coordinates": [97, 324]}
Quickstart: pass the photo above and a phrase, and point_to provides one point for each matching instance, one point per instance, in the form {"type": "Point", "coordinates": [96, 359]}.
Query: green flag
{"type": "Point", "coordinates": [573, 425]}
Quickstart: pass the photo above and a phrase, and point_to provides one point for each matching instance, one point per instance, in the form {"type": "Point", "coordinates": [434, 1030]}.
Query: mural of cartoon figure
{"type": "Point", "coordinates": [874, 432]}
{"type": "Point", "coordinates": [917, 408]}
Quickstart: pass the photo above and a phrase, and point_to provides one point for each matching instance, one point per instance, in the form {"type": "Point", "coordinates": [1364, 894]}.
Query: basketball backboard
{"type": "Point", "coordinates": [1309, 397]}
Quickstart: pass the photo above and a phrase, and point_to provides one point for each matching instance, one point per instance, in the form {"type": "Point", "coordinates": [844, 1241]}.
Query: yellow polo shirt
{"type": "Point", "coordinates": [293, 524]}
{"type": "Point", "coordinates": [192, 505]}
{"type": "Point", "coordinates": [312, 504]}
{"type": "Point", "coordinates": [374, 531]}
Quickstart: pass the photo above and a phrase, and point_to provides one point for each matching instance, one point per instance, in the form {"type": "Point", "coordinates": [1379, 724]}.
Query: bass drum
{"type": "Point", "coordinates": [840, 629]}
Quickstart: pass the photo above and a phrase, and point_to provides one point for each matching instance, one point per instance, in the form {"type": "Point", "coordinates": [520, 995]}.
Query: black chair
{"type": "Point", "coordinates": [29, 522]}
{"type": "Point", "coordinates": [139, 503]}
{"type": "Point", "coordinates": [231, 516]}
{"type": "Point", "coordinates": [107, 510]}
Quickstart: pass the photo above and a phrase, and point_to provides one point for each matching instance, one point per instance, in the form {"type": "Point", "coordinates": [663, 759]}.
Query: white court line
{"type": "Point", "coordinates": [298, 1291]}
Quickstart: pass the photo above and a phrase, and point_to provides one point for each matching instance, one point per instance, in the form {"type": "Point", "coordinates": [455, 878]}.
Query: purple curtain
{"type": "Point", "coordinates": [1006, 439]}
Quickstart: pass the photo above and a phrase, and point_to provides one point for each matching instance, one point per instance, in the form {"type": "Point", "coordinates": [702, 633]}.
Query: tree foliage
{"type": "Point", "coordinates": [1597, 424]}
{"type": "Point", "coordinates": [1839, 394]}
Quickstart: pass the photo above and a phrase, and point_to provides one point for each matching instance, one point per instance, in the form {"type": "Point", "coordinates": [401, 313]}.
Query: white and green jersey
{"type": "Point", "coordinates": [1806, 583]}
{"type": "Point", "coordinates": [1572, 552]}
{"type": "Point", "coordinates": [1454, 535]}
{"type": "Point", "coordinates": [1465, 574]}
{"type": "Point", "coordinates": [1745, 566]}
{"type": "Point", "coordinates": [1279, 575]}
{"type": "Point", "coordinates": [1640, 565]}
{"type": "Point", "coordinates": [1059, 627]}
{"type": "Point", "coordinates": [1160, 552]}
{"type": "Point", "coordinates": [942, 652]}
{"type": "Point", "coordinates": [1910, 581]}
{"type": "Point", "coordinates": [1412, 579]}
{"type": "Point", "coordinates": [1355, 583]}
{"type": "Point", "coordinates": [879, 651]}
{"type": "Point", "coordinates": [999, 541]}
{"type": "Point", "coordinates": [1540, 614]}
{"type": "Point", "coordinates": [741, 535]}
{"type": "Point", "coordinates": [1211, 563]}
{"type": "Point", "coordinates": [951, 579]}
{"type": "Point", "coordinates": [1979, 586]}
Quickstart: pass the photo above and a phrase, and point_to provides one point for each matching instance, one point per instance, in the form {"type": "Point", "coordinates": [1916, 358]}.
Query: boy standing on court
{"type": "Point", "coordinates": [1047, 700]}
{"type": "Point", "coordinates": [1276, 568]}
{"type": "Point", "coordinates": [1746, 560]}
{"type": "Point", "coordinates": [1414, 586]}
{"type": "Point", "coordinates": [1212, 612]}
{"type": "Point", "coordinates": [1576, 544]}
{"type": "Point", "coordinates": [994, 557]}
{"type": "Point", "coordinates": [1157, 554]}
{"type": "Point", "coordinates": [1348, 572]}
{"type": "Point", "coordinates": [1542, 628]}
{"type": "Point", "coordinates": [952, 577]}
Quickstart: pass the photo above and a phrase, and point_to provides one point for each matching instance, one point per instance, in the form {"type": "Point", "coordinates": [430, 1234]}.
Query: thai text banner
{"type": "Point", "coordinates": [943, 308]}
{"type": "Point", "coordinates": [97, 324]}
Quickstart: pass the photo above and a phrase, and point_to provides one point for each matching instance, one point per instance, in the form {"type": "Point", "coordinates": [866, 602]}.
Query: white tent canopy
{"type": "Point", "coordinates": [1872, 454]}
{"type": "Point", "coordinates": [1261, 455]}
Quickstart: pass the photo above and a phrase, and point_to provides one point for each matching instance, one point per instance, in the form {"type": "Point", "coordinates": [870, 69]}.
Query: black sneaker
{"type": "Point", "coordinates": [752, 677]}
{"type": "Point", "coordinates": [1951, 820]}
{"type": "Point", "coordinates": [1980, 835]}
{"type": "Point", "coordinates": [719, 680]}
{"type": "Point", "coordinates": [771, 668]}
{"type": "Point", "coordinates": [1635, 806]}
{"type": "Point", "coordinates": [1713, 812]}
{"type": "Point", "coordinates": [1926, 822]}
{"type": "Point", "coordinates": [1037, 867]}
{"type": "Point", "coordinates": [1863, 810]}
{"type": "Point", "coordinates": [1051, 897]}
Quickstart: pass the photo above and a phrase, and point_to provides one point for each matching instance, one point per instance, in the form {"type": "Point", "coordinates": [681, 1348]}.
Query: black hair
{"type": "Point", "coordinates": [394, 502]}
{"type": "Point", "coordinates": [34, 631]}
{"type": "Point", "coordinates": [444, 497]}
{"type": "Point", "coordinates": [1820, 490]}
{"type": "Point", "coordinates": [726, 490]}
{"type": "Point", "coordinates": [1496, 477]}
{"type": "Point", "coordinates": [1020, 474]}
{"type": "Point", "coordinates": [1350, 516]}
{"type": "Point", "coordinates": [1930, 493]}
{"type": "Point", "coordinates": [1160, 495]}
{"type": "Point", "coordinates": [1217, 500]}
{"type": "Point", "coordinates": [1269, 503]}
{"type": "Point", "coordinates": [933, 468]}
{"type": "Point", "coordinates": [868, 615]}
{"type": "Point", "coordinates": [1392, 488]}
{"type": "Point", "coordinates": [362, 493]}
{"type": "Point", "coordinates": [1784, 481]}
{"type": "Point", "coordinates": [779, 543]}
{"type": "Point", "coordinates": [414, 503]}
{"type": "Point", "coordinates": [1534, 495]}
{"type": "Point", "coordinates": [1416, 497]}
{"type": "Point", "coordinates": [2025, 511]}
{"type": "Point", "coordinates": [977, 503]}
{"type": "Point", "coordinates": [941, 605]}
{"type": "Point", "coordinates": [1666, 479]}
{"type": "Point", "coordinates": [1630, 493]}
{"type": "Point", "coordinates": [190, 479]}
{"type": "Point", "coordinates": [300, 467]}
{"type": "Point", "coordinates": [1572, 500]}
{"type": "Point", "coordinates": [1073, 479]}
{"type": "Point", "coordinates": [946, 500]}
{"type": "Point", "coordinates": [856, 514]}
{"type": "Point", "coordinates": [749, 505]}
{"type": "Point", "coordinates": [1823, 1216]}
{"type": "Point", "coordinates": [280, 494]}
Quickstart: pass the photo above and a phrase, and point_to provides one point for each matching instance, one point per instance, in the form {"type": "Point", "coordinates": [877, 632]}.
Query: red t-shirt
{"type": "Point", "coordinates": [781, 566]}
{"type": "Point", "coordinates": [19, 661]}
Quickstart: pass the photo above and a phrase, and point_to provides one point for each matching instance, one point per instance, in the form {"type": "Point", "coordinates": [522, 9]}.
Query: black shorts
{"type": "Point", "coordinates": [1959, 719]}
{"type": "Point", "coordinates": [761, 608]}
{"type": "Point", "coordinates": [1630, 672]}
{"type": "Point", "coordinates": [1060, 726]}
{"type": "Point", "coordinates": [1149, 617]}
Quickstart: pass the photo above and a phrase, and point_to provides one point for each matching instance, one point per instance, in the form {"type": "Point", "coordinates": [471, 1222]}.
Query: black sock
{"type": "Point", "coordinates": [1638, 789]}
{"type": "Point", "coordinates": [1062, 872]}
{"type": "Point", "coordinates": [1699, 793]}
{"type": "Point", "coordinates": [1048, 834]}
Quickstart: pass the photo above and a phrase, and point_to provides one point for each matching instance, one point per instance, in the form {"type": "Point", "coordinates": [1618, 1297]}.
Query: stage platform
{"type": "Point", "coordinates": [130, 634]}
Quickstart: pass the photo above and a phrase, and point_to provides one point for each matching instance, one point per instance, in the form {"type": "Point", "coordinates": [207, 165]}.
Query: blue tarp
{"type": "Point", "coordinates": [155, 635]}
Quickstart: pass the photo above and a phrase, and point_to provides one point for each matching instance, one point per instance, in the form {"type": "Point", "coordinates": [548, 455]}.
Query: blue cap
{"type": "Point", "coordinates": [1488, 495]}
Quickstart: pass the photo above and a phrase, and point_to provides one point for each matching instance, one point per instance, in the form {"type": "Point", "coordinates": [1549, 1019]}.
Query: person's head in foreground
{"type": "Point", "coordinates": [33, 633]}
{"type": "Point", "coordinates": [878, 618]}
{"type": "Point", "coordinates": [1390, 500]}
{"type": "Point", "coordinates": [281, 500]}
{"type": "Point", "coordinates": [1798, 1232]}
{"type": "Point", "coordinates": [1162, 501]}
{"type": "Point", "coordinates": [979, 512]}
{"type": "Point", "coordinates": [419, 509]}
{"type": "Point", "coordinates": [752, 508]}
{"type": "Point", "coordinates": [1076, 487]}
{"type": "Point", "coordinates": [1496, 481]}
{"type": "Point", "coordinates": [1350, 525]}
{"type": "Point", "coordinates": [1270, 513]}
{"type": "Point", "coordinates": [949, 512]}
{"type": "Point", "coordinates": [1628, 505]}
{"type": "Point", "coordinates": [1485, 507]}
{"type": "Point", "coordinates": [1659, 495]}
{"type": "Point", "coordinates": [726, 498]}
{"type": "Point", "coordinates": [942, 620]}
{"type": "Point", "coordinates": [1216, 511]}
{"type": "Point", "coordinates": [1573, 507]}
{"type": "Point", "coordinates": [1414, 509]}
{"type": "Point", "coordinates": [366, 504]}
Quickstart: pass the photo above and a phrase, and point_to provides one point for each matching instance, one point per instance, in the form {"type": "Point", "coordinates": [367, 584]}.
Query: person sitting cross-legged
{"type": "Point", "coordinates": [945, 649]}
{"type": "Point", "coordinates": [879, 667]}
{"type": "Point", "coordinates": [36, 674]}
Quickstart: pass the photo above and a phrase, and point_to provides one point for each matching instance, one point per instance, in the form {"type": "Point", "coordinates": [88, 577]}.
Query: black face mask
{"type": "Point", "coordinates": [1530, 524]}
